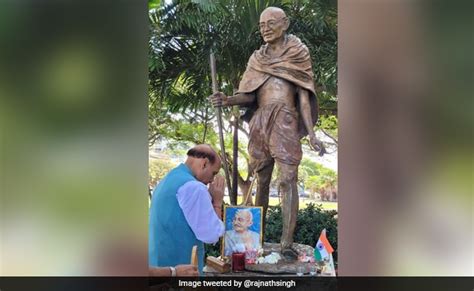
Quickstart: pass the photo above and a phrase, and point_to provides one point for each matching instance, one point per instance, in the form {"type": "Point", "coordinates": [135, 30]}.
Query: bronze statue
{"type": "Point", "coordinates": [278, 90]}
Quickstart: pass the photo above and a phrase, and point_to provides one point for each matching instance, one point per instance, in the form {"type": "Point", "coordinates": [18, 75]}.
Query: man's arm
{"type": "Point", "coordinates": [195, 201]}
{"type": "Point", "coordinates": [305, 108]}
{"type": "Point", "coordinates": [159, 272]}
{"type": "Point", "coordinates": [220, 99]}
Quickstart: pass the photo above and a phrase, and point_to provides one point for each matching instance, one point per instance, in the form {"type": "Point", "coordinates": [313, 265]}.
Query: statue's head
{"type": "Point", "coordinates": [273, 24]}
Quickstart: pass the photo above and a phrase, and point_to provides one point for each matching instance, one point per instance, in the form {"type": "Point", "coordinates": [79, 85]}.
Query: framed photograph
{"type": "Point", "coordinates": [243, 230]}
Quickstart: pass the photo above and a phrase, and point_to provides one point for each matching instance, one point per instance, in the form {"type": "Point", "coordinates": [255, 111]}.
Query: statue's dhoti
{"type": "Point", "coordinates": [274, 135]}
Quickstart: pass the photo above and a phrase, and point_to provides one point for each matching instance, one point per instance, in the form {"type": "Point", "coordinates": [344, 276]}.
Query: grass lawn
{"type": "Point", "coordinates": [303, 202]}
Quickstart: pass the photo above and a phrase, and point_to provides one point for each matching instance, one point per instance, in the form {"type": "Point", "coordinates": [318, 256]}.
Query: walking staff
{"type": "Point", "coordinates": [212, 62]}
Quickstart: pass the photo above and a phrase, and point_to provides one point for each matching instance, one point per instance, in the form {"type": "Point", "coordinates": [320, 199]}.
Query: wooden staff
{"type": "Point", "coordinates": [248, 195]}
{"type": "Point", "coordinates": [212, 62]}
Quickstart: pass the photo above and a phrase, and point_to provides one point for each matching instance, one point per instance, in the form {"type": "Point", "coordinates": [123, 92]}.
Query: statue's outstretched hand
{"type": "Point", "coordinates": [218, 99]}
{"type": "Point", "coordinates": [317, 145]}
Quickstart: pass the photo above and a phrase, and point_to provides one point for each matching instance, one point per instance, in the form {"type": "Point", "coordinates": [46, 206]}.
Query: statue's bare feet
{"type": "Point", "coordinates": [289, 254]}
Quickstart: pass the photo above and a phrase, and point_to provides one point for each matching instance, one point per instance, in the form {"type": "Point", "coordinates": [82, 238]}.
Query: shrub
{"type": "Point", "coordinates": [310, 222]}
{"type": "Point", "coordinates": [213, 250]}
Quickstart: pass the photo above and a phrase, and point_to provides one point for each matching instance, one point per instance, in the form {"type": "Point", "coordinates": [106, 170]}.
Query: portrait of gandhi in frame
{"type": "Point", "coordinates": [243, 225]}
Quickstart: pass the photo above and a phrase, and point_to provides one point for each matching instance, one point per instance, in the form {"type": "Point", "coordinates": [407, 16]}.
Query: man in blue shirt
{"type": "Point", "coordinates": [184, 212]}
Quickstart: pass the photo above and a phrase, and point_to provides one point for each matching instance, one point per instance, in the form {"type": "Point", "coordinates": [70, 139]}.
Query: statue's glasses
{"type": "Point", "coordinates": [270, 23]}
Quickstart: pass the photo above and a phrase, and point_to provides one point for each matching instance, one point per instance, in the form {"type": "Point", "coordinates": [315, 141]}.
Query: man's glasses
{"type": "Point", "coordinates": [270, 23]}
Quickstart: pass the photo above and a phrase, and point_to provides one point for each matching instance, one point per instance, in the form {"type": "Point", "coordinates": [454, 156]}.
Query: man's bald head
{"type": "Point", "coordinates": [273, 25]}
{"type": "Point", "coordinates": [204, 163]}
{"type": "Point", "coordinates": [275, 11]}
{"type": "Point", "coordinates": [203, 151]}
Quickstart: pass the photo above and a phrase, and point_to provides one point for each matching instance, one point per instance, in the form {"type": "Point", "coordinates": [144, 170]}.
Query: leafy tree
{"type": "Point", "coordinates": [315, 177]}
{"type": "Point", "coordinates": [158, 168]}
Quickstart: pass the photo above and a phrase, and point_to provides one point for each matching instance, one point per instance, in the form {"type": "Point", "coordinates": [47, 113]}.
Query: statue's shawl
{"type": "Point", "coordinates": [293, 65]}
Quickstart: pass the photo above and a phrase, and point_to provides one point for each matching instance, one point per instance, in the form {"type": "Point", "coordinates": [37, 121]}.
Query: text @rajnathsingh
{"type": "Point", "coordinates": [238, 283]}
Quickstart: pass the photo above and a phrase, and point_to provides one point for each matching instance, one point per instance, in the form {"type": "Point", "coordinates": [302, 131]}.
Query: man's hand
{"type": "Point", "coordinates": [317, 145]}
{"type": "Point", "coordinates": [216, 188]}
{"type": "Point", "coordinates": [218, 99]}
{"type": "Point", "coordinates": [186, 271]}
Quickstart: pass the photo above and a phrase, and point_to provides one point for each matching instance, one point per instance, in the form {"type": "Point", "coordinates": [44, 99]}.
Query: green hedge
{"type": "Point", "coordinates": [310, 222]}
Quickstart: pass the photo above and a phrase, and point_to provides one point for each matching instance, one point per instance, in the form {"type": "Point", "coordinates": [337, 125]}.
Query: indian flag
{"type": "Point", "coordinates": [323, 248]}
